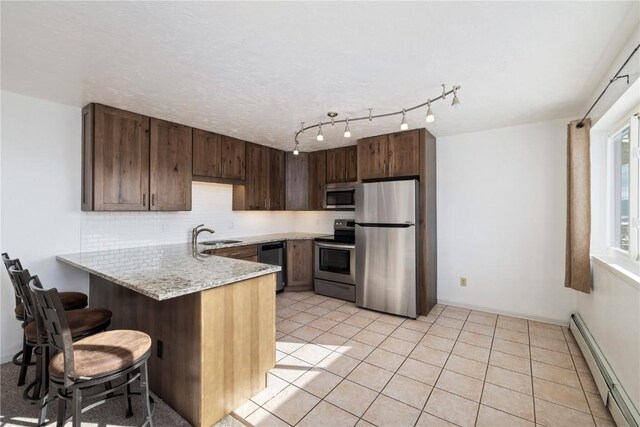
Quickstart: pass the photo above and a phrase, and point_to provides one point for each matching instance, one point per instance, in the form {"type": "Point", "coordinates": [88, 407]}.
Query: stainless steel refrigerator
{"type": "Point", "coordinates": [387, 247]}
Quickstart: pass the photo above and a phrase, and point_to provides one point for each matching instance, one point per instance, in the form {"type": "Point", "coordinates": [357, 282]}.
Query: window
{"type": "Point", "coordinates": [625, 232]}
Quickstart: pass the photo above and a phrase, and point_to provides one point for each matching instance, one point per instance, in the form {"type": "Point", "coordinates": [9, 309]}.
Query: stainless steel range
{"type": "Point", "coordinates": [335, 262]}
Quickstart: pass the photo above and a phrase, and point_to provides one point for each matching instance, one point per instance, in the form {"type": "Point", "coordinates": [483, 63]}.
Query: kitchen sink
{"type": "Point", "coordinates": [220, 242]}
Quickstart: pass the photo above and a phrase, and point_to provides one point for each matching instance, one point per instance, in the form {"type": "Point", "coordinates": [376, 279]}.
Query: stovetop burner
{"type": "Point", "coordinates": [344, 232]}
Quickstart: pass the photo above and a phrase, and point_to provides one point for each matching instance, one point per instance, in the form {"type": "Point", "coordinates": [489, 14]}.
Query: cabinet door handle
{"type": "Point", "coordinates": [153, 200]}
{"type": "Point", "coordinates": [144, 199]}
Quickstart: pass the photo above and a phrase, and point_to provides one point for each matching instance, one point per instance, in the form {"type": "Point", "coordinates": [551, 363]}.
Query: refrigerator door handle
{"type": "Point", "coordinates": [371, 224]}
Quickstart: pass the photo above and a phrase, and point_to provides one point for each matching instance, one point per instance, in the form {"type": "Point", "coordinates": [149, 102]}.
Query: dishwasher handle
{"type": "Point", "coordinates": [272, 246]}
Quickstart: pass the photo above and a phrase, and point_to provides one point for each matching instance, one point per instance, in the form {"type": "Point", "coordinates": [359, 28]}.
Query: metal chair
{"type": "Point", "coordinates": [99, 359]}
{"type": "Point", "coordinates": [70, 301]}
{"type": "Point", "coordinates": [83, 322]}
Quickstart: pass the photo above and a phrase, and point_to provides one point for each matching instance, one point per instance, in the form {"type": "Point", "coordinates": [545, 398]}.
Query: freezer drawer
{"type": "Point", "coordinates": [335, 290]}
{"type": "Point", "coordinates": [386, 269]}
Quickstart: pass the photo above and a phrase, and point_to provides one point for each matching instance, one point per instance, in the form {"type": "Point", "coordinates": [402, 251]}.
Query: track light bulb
{"type": "Point", "coordinates": [403, 124]}
{"type": "Point", "coordinates": [347, 131]}
{"type": "Point", "coordinates": [320, 136]}
{"type": "Point", "coordinates": [430, 118]}
{"type": "Point", "coordinates": [295, 150]}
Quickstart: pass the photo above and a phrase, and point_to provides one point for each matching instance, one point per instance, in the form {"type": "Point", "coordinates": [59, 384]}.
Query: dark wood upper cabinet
{"type": "Point", "coordinates": [253, 194]}
{"type": "Point", "coordinates": [351, 163]}
{"type": "Point", "coordinates": [206, 154]}
{"type": "Point", "coordinates": [373, 157]}
{"type": "Point", "coordinates": [217, 158]}
{"type": "Point", "coordinates": [342, 165]}
{"type": "Point", "coordinates": [298, 194]}
{"type": "Point", "coordinates": [389, 156]}
{"type": "Point", "coordinates": [276, 172]}
{"type": "Point", "coordinates": [335, 165]}
{"type": "Point", "coordinates": [232, 158]}
{"type": "Point", "coordinates": [404, 154]}
{"type": "Point", "coordinates": [264, 186]}
{"type": "Point", "coordinates": [317, 179]}
{"type": "Point", "coordinates": [115, 168]}
{"type": "Point", "coordinates": [170, 166]}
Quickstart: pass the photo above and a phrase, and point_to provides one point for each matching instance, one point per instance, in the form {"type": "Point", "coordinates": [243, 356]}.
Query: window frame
{"type": "Point", "coordinates": [633, 121]}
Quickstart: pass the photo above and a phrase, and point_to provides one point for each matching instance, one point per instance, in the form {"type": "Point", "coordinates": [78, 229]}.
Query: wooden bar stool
{"type": "Point", "coordinates": [83, 322]}
{"type": "Point", "coordinates": [99, 359]}
{"type": "Point", "coordinates": [70, 301]}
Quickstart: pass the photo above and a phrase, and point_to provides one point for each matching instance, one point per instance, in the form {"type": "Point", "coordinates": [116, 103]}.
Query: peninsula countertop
{"type": "Point", "coordinates": [170, 271]}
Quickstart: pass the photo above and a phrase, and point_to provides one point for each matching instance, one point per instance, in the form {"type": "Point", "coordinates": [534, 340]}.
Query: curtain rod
{"type": "Point", "coordinates": [616, 77]}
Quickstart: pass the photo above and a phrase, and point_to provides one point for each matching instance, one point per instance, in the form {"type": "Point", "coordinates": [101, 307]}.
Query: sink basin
{"type": "Point", "coordinates": [220, 242]}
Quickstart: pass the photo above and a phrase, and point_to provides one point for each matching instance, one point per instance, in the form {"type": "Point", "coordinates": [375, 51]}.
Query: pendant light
{"type": "Point", "coordinates": [430, 118]}
{"type": "Point", "coordinates": [320, 136]}
{"type": "Point", "coordinates": [347, 131]}
{"type": "Point", "coordinates": [403, 124]}
{"type": "Point", "coordinates": [456, 101]}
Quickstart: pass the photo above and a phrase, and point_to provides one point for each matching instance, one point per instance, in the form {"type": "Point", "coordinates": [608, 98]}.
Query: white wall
{"type": "Point", "coordinates": [40, 183]}
{"type": "Point", "coordinates": [501, 220]}
{"type": "Point", "coordinates": [612, 313]}
{"type": "Point", "coordinates": [41, 217]}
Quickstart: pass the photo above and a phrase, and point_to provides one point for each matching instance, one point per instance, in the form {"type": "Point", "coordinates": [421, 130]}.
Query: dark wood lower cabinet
{"type": "Point", "coordinates": [237, 252]}
{"type": "Point", "coordinates": [299, 265]}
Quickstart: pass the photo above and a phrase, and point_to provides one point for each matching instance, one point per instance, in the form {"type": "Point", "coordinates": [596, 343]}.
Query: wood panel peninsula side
{"type": "Point", "coordinates": [211, 318]}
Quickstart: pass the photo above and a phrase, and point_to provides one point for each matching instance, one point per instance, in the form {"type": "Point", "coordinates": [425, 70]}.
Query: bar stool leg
{"type": "Point", "coordinates": [62, 408]}
{"type": "Point", "coordinates": [127, 397]}
{"type": "Point", "coordinates": [144, 389]}
{"type": "Point", "coordinates": [77, 407]}
{"type": "Point", "coordinates": [44, 404]}
{"type": "Point", "coordinates": [25, 362]}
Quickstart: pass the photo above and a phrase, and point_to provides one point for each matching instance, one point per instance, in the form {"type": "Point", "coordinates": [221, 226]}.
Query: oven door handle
{"type": "Point", "coordinates": [329, 245]}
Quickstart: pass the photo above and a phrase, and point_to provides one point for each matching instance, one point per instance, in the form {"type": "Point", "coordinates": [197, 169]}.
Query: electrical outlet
{"type": "Point", "coordinates": [463, 282]}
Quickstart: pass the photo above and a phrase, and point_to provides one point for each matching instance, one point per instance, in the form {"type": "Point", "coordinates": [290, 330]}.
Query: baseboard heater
{"type": "Point", "coordinates": [613, 394]}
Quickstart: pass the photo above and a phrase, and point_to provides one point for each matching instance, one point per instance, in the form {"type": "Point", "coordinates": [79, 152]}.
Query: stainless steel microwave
{"type": "Point", "coordinates": [340, 196]}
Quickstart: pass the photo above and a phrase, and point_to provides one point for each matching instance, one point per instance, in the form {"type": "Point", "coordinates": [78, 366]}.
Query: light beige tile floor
{"type": "Point", "coordinates": [340, 365]}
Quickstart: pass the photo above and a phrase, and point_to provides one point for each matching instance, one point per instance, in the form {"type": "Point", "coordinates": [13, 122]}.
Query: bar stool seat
{"type": "Point", "coordinates": [103, 354]}
{"type": "Point", "coordinates": [70, 301]}
{"type": "Point", "coordinates": [82, 322]}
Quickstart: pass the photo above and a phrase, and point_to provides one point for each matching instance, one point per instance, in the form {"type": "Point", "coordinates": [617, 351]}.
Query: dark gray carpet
{"type": "Point", "coordinates": [16, 412]}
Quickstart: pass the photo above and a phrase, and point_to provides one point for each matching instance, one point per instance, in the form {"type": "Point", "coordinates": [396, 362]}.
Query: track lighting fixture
{"type": "Point", "coordinates": [347, 131]}
{"type": "Point", "coordinates": [455, 101]}
{"type": "Point", "coordinates": [430, 118]}
{"type": "Point", "coordinates": [403, 124]}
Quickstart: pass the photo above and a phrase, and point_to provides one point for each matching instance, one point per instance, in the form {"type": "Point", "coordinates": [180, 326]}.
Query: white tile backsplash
{"type": "Point", "coordinates": [211, 205]}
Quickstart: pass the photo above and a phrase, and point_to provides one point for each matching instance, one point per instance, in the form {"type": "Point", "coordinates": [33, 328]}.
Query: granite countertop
{"type": "Point", "coordinates": [170, 271]}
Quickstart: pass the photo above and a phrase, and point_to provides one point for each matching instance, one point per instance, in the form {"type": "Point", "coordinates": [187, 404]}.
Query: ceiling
{"type": "Point", "coordinates": [256, 70]}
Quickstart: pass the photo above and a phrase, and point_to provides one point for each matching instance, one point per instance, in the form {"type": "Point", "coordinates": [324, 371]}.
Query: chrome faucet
{"type": "Point", "coordinates": [196, 232]}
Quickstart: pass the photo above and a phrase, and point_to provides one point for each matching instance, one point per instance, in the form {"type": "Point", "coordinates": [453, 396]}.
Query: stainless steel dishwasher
{"type": "Point", "coordinates": [273, 253]}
